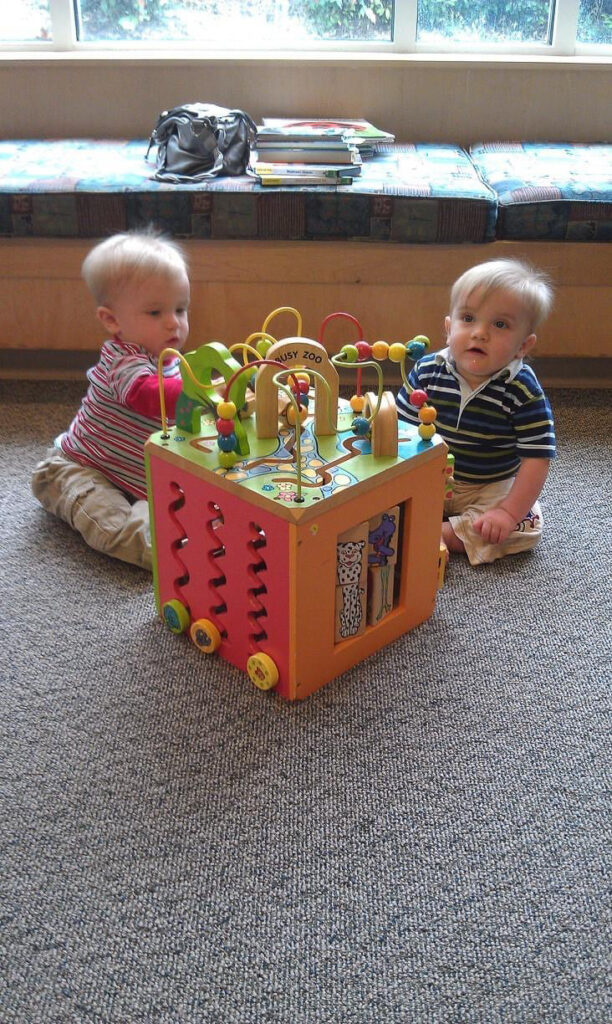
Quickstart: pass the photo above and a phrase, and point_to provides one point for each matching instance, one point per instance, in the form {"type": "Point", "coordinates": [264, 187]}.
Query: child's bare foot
{"type": "Point", "coordinates": [451, 539]}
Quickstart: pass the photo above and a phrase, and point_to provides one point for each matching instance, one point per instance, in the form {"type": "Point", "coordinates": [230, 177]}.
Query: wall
{"type": "Point", "coordinates": [396, 290]}
{"type": "Point", "coordinates": [418, 98]}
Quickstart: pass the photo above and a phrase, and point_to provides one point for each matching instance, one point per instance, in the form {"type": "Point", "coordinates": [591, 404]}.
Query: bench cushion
{"type": "Point", "coordinates": [549, 191]}
{"type": "Point", "coordinates": [89, 188]}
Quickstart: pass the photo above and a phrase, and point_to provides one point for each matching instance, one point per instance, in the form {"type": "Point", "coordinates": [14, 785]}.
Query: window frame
{"type": "Point", "coordinates": [404, 43]}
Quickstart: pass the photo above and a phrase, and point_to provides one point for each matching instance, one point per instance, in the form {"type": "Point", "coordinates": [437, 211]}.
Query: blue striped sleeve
{"type": "Point", "coordinates": [533, 418]}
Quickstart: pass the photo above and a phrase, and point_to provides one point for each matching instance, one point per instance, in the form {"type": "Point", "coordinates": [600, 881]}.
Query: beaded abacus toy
{"type": "Point", "coordinates": [294, 532]}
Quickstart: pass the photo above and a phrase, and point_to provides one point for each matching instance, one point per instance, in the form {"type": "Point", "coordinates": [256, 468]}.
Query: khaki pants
{"type": "Point", "coordinates": [469, 501]}
{"type": "Point", "coordinates": [93, 506]}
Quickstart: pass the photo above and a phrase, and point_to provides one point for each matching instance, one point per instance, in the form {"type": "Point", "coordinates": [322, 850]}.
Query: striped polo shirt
{"type": "Point", "coordinates": [489, 429]}
{"type": "Point", "coordinates": [106, 433]}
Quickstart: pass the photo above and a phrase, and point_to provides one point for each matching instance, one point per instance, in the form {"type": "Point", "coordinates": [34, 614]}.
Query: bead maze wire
{"type": "Point", "coordinates": [247, 347]}
{"type": "Point", "coordinates": [284, 309]}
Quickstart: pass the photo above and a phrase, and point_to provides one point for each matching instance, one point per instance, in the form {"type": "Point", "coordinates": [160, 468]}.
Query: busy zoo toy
{"type": "Point", "coordinates": [294, 532]}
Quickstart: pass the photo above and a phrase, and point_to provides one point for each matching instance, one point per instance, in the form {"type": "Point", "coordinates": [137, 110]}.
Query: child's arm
{"type": "Point", "coordinates": [496, 525]}
{"type": "Point", "coordinates": [143, 396]}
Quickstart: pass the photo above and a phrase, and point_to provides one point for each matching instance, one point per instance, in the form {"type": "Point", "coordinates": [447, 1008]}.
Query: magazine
{"type": "Point", "coordinates": [355, 130]}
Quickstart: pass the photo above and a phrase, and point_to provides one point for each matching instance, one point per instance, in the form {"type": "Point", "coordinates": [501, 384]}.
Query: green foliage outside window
{"type": "Point", "coordinates": [357, 19]}
{"type": "Point", "coordinates": [484, 19]}
{"type": "Point", "coordinates": [595, 22]}
{"type": "Point", "coordinates": [120, 19]}
{"type": "Point", "coordinates": [345, 19]}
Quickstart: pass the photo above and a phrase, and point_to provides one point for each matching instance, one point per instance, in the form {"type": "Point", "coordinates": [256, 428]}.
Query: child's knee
{"type": "Point", "coordinates": [57, 483]}
{"type": "Point", "coordinates": [111, 524]}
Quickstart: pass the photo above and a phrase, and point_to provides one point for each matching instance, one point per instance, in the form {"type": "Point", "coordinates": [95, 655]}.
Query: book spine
{"type": "Point", "coordinates": [303, 179]}
{"type": "Point", "coordinates": [291, 169]}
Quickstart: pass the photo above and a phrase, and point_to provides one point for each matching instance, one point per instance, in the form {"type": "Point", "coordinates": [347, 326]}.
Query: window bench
{"type": "Point", "coordinates": [385, 249]}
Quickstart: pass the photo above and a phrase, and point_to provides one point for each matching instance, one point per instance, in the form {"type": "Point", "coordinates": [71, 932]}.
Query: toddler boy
{"type": "Point", "coordinates": [94, 475]}
{"type": "Point", "coordinates": [491, 409]}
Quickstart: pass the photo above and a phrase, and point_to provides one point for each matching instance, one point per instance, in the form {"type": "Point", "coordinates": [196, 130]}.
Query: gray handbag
{"type": "Point", "coordinates": [197, 141]}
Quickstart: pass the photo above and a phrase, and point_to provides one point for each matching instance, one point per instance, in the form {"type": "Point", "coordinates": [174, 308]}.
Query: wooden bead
{"type": "Point", "coordinates": [361, 426]}
{"type": "Point", "coordinates": [427, 414]}
{"type": "Point", "coordinates": [397, 352]}
{"type": "Point", "coordinates": [226, 410]}
{"type": "Point", "coordinates": [350, 353]}
{"type": "Point", "coordinates": [225, 426]}
{"type": "Point", "coordinates": [364, 350]}
{"type": "Point", "coordinates": [380, 350]}
{"type": "Point", "coordinates": [227, 442]}
{"type": "Point", "coordinates": [291, 414]}
{"type": "Point", "coordinates": [418, 398]}
{"type": "Point", "coordinates": [227, 459]}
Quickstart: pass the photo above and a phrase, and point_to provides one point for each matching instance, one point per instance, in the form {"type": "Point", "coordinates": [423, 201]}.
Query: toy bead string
{"type": "Point", "coordinates": [359, 355]}
{"type": "Point", "coordinates": [226, 411]}
{"type": "Point", "coordinates": [284, 309]}
{"type": "Point", "coordinates": [341, 358]}
{"type": "Point", "coordinates": [160, 382]}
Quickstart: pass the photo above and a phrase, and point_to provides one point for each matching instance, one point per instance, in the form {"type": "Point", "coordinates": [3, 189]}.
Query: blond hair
{"type": "Point", "coordinates": [531, 286]}
{"type": "Point", "coordinates": [127, 259]}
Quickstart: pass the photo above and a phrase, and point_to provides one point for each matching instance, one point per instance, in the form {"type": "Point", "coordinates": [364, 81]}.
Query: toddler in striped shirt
{"type": "Point", "coordinates": [491, 409]}
{"type": "Point", "coordinates": [94, 475]}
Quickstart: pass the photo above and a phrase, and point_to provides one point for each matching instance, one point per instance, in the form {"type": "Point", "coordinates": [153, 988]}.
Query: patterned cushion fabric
{"type": "Point", "coordinates": [549, 191]}
{"type": "Point", "coordinates": [88, 188]}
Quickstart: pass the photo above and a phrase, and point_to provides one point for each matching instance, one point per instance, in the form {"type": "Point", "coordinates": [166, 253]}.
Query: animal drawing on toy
{"type": "Point", "coordinates": [382, 559]}
{"type": "Point", "coordinates": [380, 539]}
{"type": "Point", "coordinates": [349, 568]}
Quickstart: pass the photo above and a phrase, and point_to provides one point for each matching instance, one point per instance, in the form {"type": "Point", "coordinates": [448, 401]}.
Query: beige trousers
{"type": "Point", "coordinates": [93, 506]}
{"type": "Point", "coordinates": [469, 501]}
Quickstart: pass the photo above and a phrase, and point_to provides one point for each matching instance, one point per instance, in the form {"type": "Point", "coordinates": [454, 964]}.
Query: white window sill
{"type": "Point", "coordinates": [128, 54]}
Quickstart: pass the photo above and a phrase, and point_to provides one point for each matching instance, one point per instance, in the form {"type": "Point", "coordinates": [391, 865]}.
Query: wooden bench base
{"type": "Point", "coordinates": [395, 291]}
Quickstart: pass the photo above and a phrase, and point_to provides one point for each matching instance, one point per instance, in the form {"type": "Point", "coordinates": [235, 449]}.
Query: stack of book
{"type": "Point", "coordinates": [313, 152]}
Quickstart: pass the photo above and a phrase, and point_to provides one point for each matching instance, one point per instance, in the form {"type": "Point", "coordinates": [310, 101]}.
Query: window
{"type": "Point", "coordinates": [538, 26]}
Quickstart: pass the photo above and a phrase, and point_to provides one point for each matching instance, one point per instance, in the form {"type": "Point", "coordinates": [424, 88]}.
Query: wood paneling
{"type": "Point", "coordinates": [396, 291]}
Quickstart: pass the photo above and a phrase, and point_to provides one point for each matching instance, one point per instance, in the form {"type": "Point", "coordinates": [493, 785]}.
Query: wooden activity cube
{"type": "Point", "coordinates": [235, 551]}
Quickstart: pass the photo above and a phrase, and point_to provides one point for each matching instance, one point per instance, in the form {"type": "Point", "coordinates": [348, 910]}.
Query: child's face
{"type": "Point", "coordinates": [487, 332]}
{"type": "Point", "coordinates": [153, 313]}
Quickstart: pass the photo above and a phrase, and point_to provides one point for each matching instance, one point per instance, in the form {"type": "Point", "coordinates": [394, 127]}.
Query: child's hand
{"type": "Point", "coordinates": [495, 526]}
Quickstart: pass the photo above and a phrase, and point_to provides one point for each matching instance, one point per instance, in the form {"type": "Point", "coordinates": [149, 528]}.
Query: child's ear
{"type": "Point", "coordinates": [107, 318]}
{"type": "Point", "coordinates": [527, 345]}
{"type": "Point", "coordinates": [447, 323]}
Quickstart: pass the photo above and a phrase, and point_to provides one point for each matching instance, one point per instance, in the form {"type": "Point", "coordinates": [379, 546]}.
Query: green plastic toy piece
{"type": "Point", "coordinates": [192, 402]}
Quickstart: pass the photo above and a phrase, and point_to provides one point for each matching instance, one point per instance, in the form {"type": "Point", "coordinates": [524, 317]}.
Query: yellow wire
{"type": "Point", "coordinates": [245, 345]}
{"type": "Point", "coordinates": [160, 382]}
{"type": "Point", "coordinates": [284, 309]}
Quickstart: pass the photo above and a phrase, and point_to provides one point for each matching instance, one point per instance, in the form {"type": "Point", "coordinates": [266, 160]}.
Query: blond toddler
{"type": "Point", "coordinates": [491, 409]}
{"type": "Point", "coordinates": [94, 475]}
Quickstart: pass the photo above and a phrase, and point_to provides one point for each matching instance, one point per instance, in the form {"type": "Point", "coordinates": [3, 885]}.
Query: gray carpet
{"type": "Point", "coordinates": [424, 840]}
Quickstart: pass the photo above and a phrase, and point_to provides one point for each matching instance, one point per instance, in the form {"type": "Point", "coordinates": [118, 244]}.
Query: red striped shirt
{"type": "Point", "coordinates": [120, 410]}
